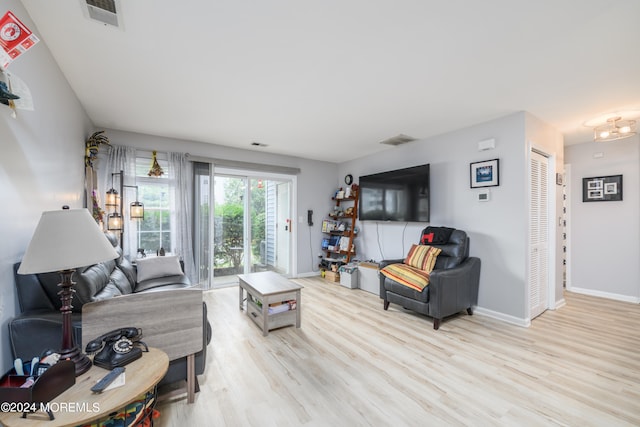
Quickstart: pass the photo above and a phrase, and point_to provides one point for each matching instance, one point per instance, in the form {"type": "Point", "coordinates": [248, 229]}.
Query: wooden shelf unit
{"type": "Point", "coordinates": [338, 215]}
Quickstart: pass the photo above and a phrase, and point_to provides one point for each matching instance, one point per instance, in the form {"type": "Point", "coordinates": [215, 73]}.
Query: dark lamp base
{"type": "Point", "coordinates": [69, 349]}
{"type": "Point", "coordinates": [82, 362]}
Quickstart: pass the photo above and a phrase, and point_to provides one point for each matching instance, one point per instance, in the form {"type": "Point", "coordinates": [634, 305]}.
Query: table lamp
{"type": "Point", "coordinates": [63, 241]}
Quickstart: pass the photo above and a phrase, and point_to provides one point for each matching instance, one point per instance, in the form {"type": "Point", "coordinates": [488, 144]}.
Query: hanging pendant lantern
{"type": "Point", "coordinates": [155, 170]}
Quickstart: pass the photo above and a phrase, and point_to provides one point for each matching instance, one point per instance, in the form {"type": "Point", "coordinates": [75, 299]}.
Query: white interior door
{"type": "Point", "coordinates": [538, 281]}
{"type": "Point", "coordinates": [284, 224]}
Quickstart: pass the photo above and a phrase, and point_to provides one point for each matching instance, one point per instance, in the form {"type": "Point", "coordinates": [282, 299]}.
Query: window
{"type": "Point", "coordinates": [154, 232]}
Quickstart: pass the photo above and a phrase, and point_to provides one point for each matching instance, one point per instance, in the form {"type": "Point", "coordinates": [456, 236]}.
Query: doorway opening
{"type": "Point", "coordinates": [243, 225]}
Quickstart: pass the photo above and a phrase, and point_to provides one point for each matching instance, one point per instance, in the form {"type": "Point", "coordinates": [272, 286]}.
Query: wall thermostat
{"type": "Point", "coordinates": [484, 196]}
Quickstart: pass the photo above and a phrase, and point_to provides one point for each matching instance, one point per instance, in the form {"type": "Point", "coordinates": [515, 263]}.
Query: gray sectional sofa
{"type": "Point", "coordinates": [39, 325]}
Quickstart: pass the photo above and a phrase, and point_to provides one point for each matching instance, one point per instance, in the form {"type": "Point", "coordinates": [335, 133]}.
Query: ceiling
{"type": "Point", "coordinates": [328, 80]}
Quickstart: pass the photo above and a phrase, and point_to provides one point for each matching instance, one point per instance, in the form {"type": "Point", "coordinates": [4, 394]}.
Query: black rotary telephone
{"type": "Point", "coordinates": [123, 346]}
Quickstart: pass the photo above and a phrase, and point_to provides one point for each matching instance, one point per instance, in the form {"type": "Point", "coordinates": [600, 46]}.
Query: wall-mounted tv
{"type": "Point", "coordinates": [397, 195]}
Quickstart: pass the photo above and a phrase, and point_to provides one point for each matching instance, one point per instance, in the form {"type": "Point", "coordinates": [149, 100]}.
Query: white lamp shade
{"type": "Point", "coordinates": [64, 240]}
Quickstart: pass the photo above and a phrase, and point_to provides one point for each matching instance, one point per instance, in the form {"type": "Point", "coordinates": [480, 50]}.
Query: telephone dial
{"type": "Point", "coordinates": [117, 348]}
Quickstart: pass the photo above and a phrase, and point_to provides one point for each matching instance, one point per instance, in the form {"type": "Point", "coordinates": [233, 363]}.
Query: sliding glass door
{"type": "Point", "coordinates": [229, 228]}
{"type": "Point", "coordinates": [248, 229]}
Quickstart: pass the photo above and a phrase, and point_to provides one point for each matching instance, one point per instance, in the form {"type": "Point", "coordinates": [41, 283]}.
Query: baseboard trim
{"type": "Point", "coordinates": [308, 274]}
{"type": "Point", "coordinates": [525, 323]}
{"type": "Point", "coordinates": [608, 295]}
{"type": "Point", "coordinates": [560, 303]}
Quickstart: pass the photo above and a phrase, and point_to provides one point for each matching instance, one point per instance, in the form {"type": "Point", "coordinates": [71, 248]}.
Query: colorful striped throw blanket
{"type": "Point", "coordinates": [406, 275]}
{"type": "Point", "coordinates": [414, 272]}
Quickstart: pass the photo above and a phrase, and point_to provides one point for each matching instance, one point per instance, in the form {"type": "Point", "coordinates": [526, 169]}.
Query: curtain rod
{"type": "Point", "coordinates": [235, 164]}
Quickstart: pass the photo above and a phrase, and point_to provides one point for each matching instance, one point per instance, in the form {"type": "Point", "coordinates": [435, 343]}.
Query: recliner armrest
{"type": "Point", "coordinates": [31, 333]}
{"type": "Point", "coordinates": [454, 287]}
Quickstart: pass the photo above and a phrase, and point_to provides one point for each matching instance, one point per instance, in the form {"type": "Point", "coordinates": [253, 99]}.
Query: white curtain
{"type": "Point", "coordinates": [120, 158]}
{"type": "Point", "coordinates": [181, 190]}
{"type": "Point", "coordinates": [180, 174]}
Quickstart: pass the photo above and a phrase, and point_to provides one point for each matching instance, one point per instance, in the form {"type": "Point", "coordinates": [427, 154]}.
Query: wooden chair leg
{"type": "Point", "coordinates": [436, 323]}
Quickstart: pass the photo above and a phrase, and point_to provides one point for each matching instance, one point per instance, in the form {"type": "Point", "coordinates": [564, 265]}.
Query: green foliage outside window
{"type": "Point", "coordinates": [229, 224]}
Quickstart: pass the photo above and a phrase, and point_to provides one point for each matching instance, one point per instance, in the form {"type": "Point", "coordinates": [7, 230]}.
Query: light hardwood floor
{"type": "Point", "coordinates": [353, 364]}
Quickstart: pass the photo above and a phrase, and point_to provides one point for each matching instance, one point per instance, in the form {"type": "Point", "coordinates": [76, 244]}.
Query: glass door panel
{"type": "Point", "coordinates": [270, 225]}
{"type": "Point", "coordinates": [248, 228]}
{"type": "Point", "coordinates": [229, 229]}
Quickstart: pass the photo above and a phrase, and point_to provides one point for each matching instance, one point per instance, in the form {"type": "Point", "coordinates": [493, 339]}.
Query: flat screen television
{"type": "Point", "coordinates": [397, 195]}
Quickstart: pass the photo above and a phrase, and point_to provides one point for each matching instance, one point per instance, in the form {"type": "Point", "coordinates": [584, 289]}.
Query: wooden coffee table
{"type": "Point", "coordinates": [267, 288]}
{"type": "Point", "coordinates": [78, 405]}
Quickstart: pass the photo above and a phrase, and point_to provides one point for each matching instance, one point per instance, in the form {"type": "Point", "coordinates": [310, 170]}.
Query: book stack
{"type": "Point", "coordinates": [282, 306]}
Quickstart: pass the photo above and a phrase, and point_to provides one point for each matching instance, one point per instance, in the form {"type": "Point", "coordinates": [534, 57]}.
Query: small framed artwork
{"type": "Point", "coordinates": [485, 174]}
{"type": "Point", "coordinates": [602, 188]}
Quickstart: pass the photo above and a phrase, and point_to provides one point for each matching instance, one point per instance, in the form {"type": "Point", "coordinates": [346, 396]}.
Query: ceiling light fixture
{"type": "Point", "coordinates": [615, 128]}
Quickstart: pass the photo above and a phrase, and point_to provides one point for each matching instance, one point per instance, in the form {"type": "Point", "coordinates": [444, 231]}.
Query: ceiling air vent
{"type": "Point", "coordinates": [103, 11]}
{"type": "Point", "coordinates": [398, 140]}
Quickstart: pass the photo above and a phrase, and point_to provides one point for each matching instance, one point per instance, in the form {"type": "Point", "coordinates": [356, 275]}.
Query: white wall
{"type": "Point", "coordinates": [315, 184]}
{"type": "Point", "coordinates": [604, 238]}
{"type": "Point", "coordinates": [42, 162]}
{"type": "Point", "coordinates": [497, 229]}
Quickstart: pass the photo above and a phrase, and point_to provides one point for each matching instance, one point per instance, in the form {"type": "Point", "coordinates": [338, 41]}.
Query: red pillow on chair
{"type": "Point", "coordinates": [436, 235]}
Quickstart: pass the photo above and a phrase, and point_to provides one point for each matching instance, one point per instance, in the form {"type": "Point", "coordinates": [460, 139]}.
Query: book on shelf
{"type": "Point", "coordinates": [282, 306]}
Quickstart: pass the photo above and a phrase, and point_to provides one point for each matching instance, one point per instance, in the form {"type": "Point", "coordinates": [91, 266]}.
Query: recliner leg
{"type": "Point", "coordinates": [386, 304]}
{"type": "Point", "coordinates": [469, 311]}
{"type": "Point", "coordinates": [436, 323]}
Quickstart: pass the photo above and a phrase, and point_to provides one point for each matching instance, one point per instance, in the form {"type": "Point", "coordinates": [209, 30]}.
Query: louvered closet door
{"type": "Point", "coordinates": [538, 235]}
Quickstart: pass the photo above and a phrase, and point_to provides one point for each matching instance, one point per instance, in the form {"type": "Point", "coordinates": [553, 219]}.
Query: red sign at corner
{"type": "Point", "coordinates": [15, 39]}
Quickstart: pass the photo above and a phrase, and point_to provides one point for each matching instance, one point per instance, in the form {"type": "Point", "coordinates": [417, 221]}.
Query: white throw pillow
{"type": "Point", "coordinates": [159, 266]}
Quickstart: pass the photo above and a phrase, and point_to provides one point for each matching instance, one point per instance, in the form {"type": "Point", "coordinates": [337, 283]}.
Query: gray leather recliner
{"type": "Point", "coordinates": [453, 283]}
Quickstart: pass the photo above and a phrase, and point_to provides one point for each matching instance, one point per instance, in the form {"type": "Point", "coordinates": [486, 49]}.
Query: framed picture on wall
{"type": "Point", "coordinates": [484, 174]}
{"type": "Point", "coordinates": [602, 188]}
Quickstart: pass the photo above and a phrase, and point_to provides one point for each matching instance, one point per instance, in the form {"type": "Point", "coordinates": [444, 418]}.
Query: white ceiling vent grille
{"type": "Point", "coordinates": [103, 11]}
{"type": "Point", "coordinates": [398, 140]}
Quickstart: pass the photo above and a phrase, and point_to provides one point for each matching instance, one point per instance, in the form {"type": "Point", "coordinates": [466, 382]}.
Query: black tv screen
{"type": "Point", "coordinates": [398, 195]}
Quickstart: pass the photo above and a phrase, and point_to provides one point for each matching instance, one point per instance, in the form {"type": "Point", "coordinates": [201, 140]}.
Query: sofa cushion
{"type": "Point", "coordinates": [128, 269]}
{"type": "Point", "coordinates": [392, 286]}
{"type": "Point", "coordinates": [121, 281]}
{"type": "Point", "coordinates": [90, 281]}
{"type": "Point", "coordinates": [163, 283]}
{"type": "Point", "coordinates": [422, 257]}
{"type": "Point", "coordinates": [160, 266]}
{"type": "Point", "coordinates": [109, 291]}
